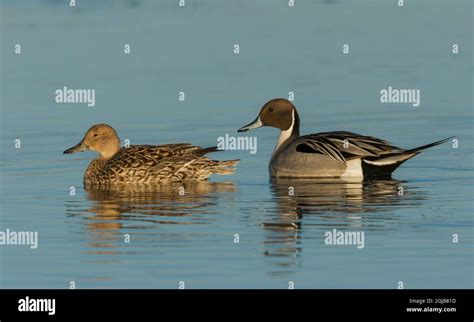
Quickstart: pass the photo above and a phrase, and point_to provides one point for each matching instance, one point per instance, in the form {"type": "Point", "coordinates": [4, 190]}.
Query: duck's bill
{"type": "Point", "coordinates": [254, 125]}
{"type": "Point", "coordinates": [81, 146]}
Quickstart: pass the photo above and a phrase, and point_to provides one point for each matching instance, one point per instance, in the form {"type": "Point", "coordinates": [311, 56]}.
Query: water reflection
{"type": "Point", "coordinates": [323, 205]}
{"type": "Point", "coordinates": [113, 212]}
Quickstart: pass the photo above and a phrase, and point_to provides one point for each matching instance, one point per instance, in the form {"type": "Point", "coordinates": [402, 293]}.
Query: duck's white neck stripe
{"type": "Point", "coordinates": [284, 135]}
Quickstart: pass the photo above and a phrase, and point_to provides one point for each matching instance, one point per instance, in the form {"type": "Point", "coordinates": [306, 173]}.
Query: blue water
{"type": "Point", "coordinates": [190, 237]}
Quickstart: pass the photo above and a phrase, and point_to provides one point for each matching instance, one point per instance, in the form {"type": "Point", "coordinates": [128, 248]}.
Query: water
{"type": "Point", "coordinates": [191, 237]}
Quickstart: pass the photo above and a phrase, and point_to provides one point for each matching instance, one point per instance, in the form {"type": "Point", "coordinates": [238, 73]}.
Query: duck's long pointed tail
{"type": "Point", "coordinates": [384, 165]}
{"type": "Point", "coordinates": [427, 146]}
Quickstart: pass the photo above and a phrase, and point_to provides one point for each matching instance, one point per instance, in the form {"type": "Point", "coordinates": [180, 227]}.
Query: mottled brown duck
{"type": "Point", "coordinates": [145, 164]}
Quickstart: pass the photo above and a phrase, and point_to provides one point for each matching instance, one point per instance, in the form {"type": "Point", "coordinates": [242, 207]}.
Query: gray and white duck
{"type": "Point", "coordinates": [338, 154]}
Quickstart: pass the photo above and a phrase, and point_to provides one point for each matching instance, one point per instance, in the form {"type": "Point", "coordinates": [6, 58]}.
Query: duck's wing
{"type": "Point", "coordinates": [140, 158]}
{"type": "Point", "coordinates": [342, 146]}
{"type": "Point", "coordinates": [164, 164]}
{"type": "Point", "coordinates": [172, 162]}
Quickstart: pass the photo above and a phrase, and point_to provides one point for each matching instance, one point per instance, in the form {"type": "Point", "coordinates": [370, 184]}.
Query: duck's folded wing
{"type": "Point", "coordinates": [315, 143]}
{"type": "Point", "coordinates": [345, 145]}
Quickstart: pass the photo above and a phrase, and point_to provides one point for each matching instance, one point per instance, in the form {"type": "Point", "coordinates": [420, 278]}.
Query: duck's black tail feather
{"type": "Point", "coordinates": [203, 151]}
{"type": "Point", "coordinates": [427, 146]}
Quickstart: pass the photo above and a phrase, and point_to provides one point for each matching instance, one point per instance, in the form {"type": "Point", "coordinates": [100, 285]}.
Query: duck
{"type": "Point", "coordinates": [338, 154]}
{"type": "Point", "coordinates": [145, 164]}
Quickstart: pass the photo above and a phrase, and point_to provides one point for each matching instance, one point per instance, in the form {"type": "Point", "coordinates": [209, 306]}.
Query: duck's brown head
{"type": "Point", "coordinates": [279, 113]}
{"type": "Point", "coordinates": [101, 138]}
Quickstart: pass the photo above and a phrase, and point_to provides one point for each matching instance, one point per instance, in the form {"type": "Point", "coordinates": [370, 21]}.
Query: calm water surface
{"type": "Point", "coordinates": [190, 237]}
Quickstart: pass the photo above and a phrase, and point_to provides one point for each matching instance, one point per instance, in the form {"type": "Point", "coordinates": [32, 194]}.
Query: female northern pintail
{"type": "Point", "coordinates": [330, 154]}
{"type": "Point", "coordinates": [145, 164]}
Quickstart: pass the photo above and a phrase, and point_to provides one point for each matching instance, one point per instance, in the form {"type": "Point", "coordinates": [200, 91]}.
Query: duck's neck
{"type": "Point", "coordinates": [110, 150]}
{"type": "Point", "coordinates": [291, 133]}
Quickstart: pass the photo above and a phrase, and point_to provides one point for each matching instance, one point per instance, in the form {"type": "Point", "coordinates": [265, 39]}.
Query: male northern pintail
{"type": "Point", "coordinates": [330, 154]}
{"type": "Point", "coordinates": [145, 164]}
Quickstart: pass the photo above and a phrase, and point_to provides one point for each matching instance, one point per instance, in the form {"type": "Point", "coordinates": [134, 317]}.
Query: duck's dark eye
{"type": "Point", "coordinates": [96, 135]}
{"type": "Point", "coordinates": [270, 109]}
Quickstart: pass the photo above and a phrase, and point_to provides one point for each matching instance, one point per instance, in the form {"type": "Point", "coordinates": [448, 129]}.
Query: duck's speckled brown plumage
{"type": "Point", "coordinates": [146, 164]}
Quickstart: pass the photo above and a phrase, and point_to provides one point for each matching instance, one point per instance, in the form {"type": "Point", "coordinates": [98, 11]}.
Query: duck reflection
{"type": "Point", "coordinates": [325, 205]}
{"type": "Point", "coordinates": [114, 212]}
